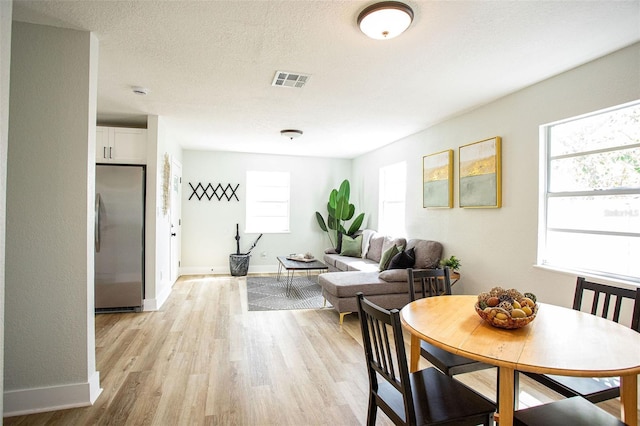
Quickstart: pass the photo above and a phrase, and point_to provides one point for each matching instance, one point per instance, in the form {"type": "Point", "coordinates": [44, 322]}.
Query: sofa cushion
{"type": "Point", "coordinates": [351, 246]}
{"type": "Point", "coordinates": [347, 284]}
{"type": "Point", "coordinates": [394, 275]}
{"type": "Point", "coordinates": [366, 237]}
{"type": "Point", "coordinates": [345, 263]}
{"type": "Point", "coordinates": [428, 253]}
{"type": "Point", "coordinates": [374, 252]}
{"type": "Point", "coordinates": [403, 260]}
{"type": "Point", "coordinates": [388, 254]}
{"type": "Point", "coordinates": [330, 259]}
{"type": "Point", "coordinates": [378, 244]}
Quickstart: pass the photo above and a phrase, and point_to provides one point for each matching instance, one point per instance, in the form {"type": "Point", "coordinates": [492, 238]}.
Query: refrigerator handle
{"type": "Point", "coordinates": [97, 222]}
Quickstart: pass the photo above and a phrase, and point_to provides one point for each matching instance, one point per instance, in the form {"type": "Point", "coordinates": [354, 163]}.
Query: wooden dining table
{"type": "Point", "coordinates": [559, 341]}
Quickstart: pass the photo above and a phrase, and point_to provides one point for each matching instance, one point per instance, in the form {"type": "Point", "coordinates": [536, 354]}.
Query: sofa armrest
{"type": "Point", "coordinates": [330, 251]}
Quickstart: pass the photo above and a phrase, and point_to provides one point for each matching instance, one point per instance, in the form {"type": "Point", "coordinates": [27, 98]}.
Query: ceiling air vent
{"type": "Point", "coordinates": [290, 79]}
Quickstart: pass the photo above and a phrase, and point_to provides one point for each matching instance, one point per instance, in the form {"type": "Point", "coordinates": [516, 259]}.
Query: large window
{"type": "Point", "coordinates": [393, 188]}
{"type": "Point", "coordinates": [267, 202]}
{"type": "Point", "coordinates": [590, 219]}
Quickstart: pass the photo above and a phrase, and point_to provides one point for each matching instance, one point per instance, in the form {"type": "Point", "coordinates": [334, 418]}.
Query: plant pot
{"type": "Point", "coordinates": [239, 264]}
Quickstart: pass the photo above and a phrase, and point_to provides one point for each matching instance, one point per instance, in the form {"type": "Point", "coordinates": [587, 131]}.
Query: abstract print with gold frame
{"type": "Point", "coordinates": [480, 174]}
{"type": "Point", "coordinates": [437, 180]}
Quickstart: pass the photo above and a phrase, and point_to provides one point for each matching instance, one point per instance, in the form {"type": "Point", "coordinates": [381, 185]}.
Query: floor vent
{"type": "Point", "coordinates": [290, 79]}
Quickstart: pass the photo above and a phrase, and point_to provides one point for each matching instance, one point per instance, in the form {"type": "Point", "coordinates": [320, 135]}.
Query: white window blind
{"type": "Point", "coordinates": [393, 189]}
{"type": "Point", "coordinates": [268, 196]}
{"type": "Point", "coordinates": [590, 215]}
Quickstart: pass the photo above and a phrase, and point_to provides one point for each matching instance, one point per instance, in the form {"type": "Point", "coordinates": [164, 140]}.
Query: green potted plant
{"type": "Point", "coordinates": [340, 211]}
{"type": "Point", "coordinates": [452, 263]}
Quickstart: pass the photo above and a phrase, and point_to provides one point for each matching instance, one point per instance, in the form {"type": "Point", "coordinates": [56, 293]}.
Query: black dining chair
{"type": "Point", "coordinates": [582, 393]}
{"type": "Point", "coordinates": [607, 303]}
{"type": "Point", "coordinates": [435, 282]}
{"type": "Point", "coordinates": [570, 411]}
{"type": "Point", "coordinates": [425, 397]}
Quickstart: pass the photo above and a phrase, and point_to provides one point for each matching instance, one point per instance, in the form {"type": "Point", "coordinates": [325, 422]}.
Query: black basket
{"type": "Point", "coordinates": [239, 264]}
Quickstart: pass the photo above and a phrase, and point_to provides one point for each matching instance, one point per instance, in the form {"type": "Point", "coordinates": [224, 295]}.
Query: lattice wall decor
{"type": "Point", "coordinates": [220, 192]}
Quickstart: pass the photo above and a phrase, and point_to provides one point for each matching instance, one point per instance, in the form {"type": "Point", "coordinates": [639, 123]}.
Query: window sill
{"type": "Point", "coordinates": [247, 231]}
{"type": "Point", "coordinates": [589, 276]}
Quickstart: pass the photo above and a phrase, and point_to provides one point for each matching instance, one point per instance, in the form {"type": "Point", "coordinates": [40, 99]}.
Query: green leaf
{"type": "Point", "coordinates": [342, 208]}
{"type": "Point", "coordinates": [332, 223]}
{"type": "Point", "coordinates": [333, 199]}
{"type": "Point", "coordinates": [345, 189]}
{"type": "Point", "coordinates": [351, 210]}
{"type": "Point", "coordinates": [321, 222]}
{"type": "Point", "coordinates": [356, 224]}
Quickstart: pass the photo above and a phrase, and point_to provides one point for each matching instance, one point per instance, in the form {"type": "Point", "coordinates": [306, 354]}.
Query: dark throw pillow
{"type": "Point", "coordinates": [403, 260]}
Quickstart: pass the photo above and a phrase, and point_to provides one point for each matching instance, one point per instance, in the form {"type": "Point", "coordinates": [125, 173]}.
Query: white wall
{"type": "Point", "coordinates": [5, 59]}
{"type": "Point", "coordinates": [209, 227]}
{"type": "Point", "coordinates": [498, 246]}
{"type": "Point", "coordinates": [158, 229]}
{"type": "Point", "coordinates": [49, 319]}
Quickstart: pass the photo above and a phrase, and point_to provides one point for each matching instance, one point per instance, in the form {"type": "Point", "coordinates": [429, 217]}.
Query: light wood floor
{"type": "Point", "coordinates": [205, 360]}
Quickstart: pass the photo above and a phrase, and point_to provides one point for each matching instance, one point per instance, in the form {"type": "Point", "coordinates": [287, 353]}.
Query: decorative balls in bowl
{"type": "Point", "coordinates": [507, 308]}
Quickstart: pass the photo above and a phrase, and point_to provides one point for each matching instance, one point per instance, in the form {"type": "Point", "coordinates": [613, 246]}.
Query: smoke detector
{"type": "Point", "coordinates": [291, 133]}
{"type": "Point", "coordinates": [290, 79]}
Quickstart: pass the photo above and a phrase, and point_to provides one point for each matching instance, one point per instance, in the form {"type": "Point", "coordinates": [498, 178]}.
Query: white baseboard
{"type": "Point", "coordinates": [155, 304]}
{"type": "Point", "coordinates": [54, 398]}
{"type": "Point", "coordinates": [224, 270]}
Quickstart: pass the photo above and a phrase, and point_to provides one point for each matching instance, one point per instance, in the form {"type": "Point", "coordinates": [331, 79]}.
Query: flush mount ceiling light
{"type": "Point", "coordinates": [291, 133]}
{"type": "Point", "coordinates": [385, 20]}
{"type": "Point", "coordinates": [139, 90]}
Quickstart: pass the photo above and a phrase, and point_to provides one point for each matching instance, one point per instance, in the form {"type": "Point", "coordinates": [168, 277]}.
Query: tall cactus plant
{"type": "Point", "coordinates": [340, 211]}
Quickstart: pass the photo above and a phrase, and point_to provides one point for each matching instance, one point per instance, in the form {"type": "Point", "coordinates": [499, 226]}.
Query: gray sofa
{"type": "Point", "coordinates": [387, 288]}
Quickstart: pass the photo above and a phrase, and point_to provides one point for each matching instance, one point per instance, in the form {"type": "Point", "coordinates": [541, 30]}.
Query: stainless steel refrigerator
{"type": "Point", "coordinates": [119, 238]}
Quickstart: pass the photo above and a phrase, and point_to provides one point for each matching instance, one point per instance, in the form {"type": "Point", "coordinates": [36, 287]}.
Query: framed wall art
{"type": "Point", "coordinates": [480, 174]}
{"type": "Point", "coordinates": [437, 180]}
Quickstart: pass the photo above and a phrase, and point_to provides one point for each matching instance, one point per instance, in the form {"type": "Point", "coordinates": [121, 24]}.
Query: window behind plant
{"type": "Point", "coordinates": [393, 188]}
{"type": "Point", "coordinates": [590, 220]}
{"type": "Point", "coordinates": [267, 202]}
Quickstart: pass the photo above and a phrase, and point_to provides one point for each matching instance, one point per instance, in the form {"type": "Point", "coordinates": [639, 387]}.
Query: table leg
{"type": "Point", "coordinates": [629, 399]}
{"type": "Point", "coordinates": [505, 396]}
{"type": "Point", "coordinates": [289, 281]}
{"type": "Point", "coordinates": [279, 270]}
{"type": "Point", "coordinates": [414, 356]}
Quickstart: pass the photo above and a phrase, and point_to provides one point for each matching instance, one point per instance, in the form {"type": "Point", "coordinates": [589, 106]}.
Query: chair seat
{"type": "Point", "coordinates": [570, 411]}
{"type": "Point", "coordinates": [447, 401]}
{"type": "Point", "coordinates": [594, 389]}
{"type": "Point", "coordinates": [450, 364]}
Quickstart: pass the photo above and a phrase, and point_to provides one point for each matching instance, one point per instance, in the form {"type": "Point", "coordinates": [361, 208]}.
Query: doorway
{"type": "Point", "coordinates": [175, 220]}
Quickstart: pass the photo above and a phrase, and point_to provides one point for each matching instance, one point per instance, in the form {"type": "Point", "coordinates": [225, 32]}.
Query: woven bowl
{"type": "Point", "coordinates": [509, 323]}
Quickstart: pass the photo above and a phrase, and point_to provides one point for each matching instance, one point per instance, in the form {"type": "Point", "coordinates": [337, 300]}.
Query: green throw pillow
{"type": "Point", "coordinates": [351, 246]}
{"type": "Point", "coordinates": [386, 257]}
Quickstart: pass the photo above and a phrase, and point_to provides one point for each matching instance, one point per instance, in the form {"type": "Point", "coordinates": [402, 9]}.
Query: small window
{"type": "Point", "coordinates": [393, 188]}
{"type": "Point", "coordinates": [267, 202]}
{"type": "Point", "coordinates": [590, 220]}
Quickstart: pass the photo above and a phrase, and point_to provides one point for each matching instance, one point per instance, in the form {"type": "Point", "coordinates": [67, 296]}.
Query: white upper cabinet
{"type": "Point", "coordinates": [121, 145]}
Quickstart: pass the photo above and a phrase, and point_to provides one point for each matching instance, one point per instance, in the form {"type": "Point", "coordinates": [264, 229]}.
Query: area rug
{"type": "Point", "coordinates": [269, 294]}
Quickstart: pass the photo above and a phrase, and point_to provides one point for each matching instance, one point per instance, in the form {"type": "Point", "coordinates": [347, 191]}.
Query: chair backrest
{"type": "Point", "coordinates": [613, 297]}
{"type": "Point", "coordinates": [430, 282]}
{"type": "Point", "coordinates": [381, 328]}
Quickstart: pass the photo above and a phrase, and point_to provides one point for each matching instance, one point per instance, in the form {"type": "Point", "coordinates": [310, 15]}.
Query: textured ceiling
{"type": "Point", "coordinates": [209, 64]}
